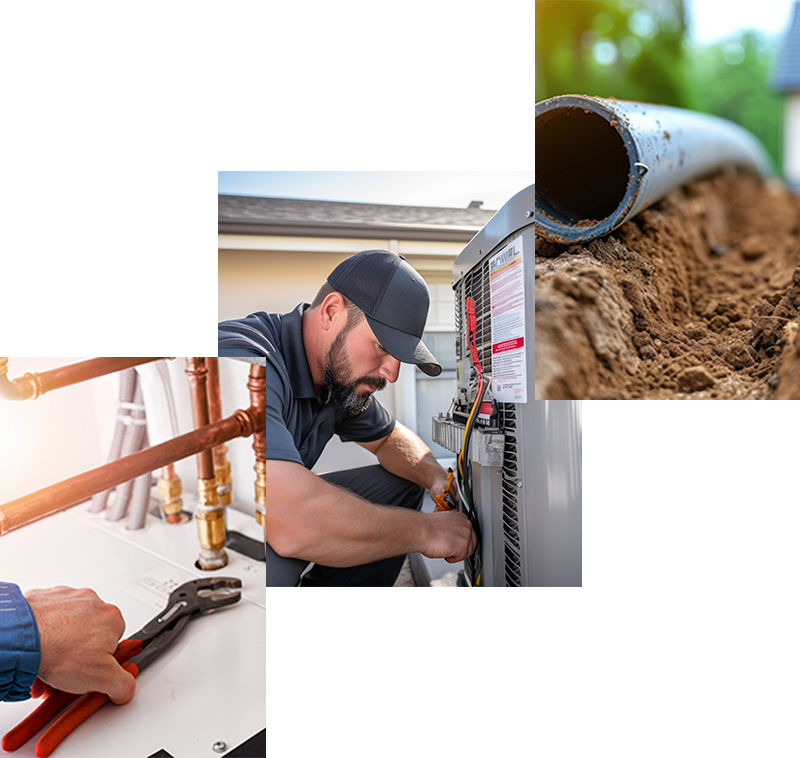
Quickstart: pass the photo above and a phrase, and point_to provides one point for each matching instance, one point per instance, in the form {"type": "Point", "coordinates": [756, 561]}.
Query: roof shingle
{"type": "Point", "coordinates": [288, 210]}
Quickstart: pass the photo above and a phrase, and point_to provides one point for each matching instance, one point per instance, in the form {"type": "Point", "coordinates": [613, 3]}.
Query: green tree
{"type": "Point", "coordinates": [630, 49]}
{"type": "Point", "coordinates": [639, 50]}
{"type": "Point", "coordinates": [732, 79]}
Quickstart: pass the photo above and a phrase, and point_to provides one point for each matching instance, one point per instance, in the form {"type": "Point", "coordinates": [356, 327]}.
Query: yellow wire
{"type": "Point", "coordinates": [469, 418]}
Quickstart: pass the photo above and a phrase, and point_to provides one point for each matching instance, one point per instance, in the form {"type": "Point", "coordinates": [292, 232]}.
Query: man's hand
{"type": "Point", "coordinates": [78, 634]}
{"type": "Point", "coordinates": [438, 487]}
{"type": "Point", "coordinates": [451, 536]}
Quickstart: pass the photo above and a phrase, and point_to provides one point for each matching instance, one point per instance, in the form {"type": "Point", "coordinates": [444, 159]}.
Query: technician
{"type": "Point", "coordinates": [65, 636]}
{"type": "Point", "coordinates": [324, 362]}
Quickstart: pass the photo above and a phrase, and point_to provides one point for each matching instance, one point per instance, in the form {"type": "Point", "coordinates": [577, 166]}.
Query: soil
{"type": "Point", "coordinates": [697, 297]}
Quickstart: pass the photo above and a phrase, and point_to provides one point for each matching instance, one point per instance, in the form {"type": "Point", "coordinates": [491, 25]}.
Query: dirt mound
{"type": "Point", "coordinates": [697, 297]}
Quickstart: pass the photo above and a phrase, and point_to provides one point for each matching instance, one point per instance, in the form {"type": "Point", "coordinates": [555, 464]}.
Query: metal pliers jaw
{"type": "Point", "coordinates": [188, 601]}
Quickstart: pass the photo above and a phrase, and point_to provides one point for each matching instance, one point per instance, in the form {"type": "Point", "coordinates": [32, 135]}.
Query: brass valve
{"type": "Point", "coordinates": [261, 492]}
{"type": "Point", "coordinates": [222, 474]}
{"type": "Point", "coordinates": [170, 491]}
{"type": "Point", "coordinates": [210, 517]}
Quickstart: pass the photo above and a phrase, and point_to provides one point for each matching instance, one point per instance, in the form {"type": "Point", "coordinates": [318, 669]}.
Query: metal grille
{"type": "Point", "coordinates": [476, 285]}
{"type": "Point", "coordinates": [511, 475]}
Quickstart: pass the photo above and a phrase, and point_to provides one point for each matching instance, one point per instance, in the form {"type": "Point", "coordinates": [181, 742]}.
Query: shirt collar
{"type": "Point", "coordinates": [294, 353]}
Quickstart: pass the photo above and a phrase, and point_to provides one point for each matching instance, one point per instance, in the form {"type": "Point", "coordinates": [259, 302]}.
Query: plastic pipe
{"type": "Point", "coordinates": [133, 442]}
{"type": "Point", "coordinates": [126, 389]}
{"type": "Point", "coordinates": [600, 162]}
{"type": "Point", "coordinates": [140, 500]}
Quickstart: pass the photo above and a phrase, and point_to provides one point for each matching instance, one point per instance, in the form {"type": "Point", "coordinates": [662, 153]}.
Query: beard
{"type": "Point", "coordinates": [342, 390]}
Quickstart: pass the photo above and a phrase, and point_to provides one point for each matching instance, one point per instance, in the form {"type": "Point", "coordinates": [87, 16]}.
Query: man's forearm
{"type": "Point", "coordinates": [405, 455]}
{"type": "Point", "coordinates": [334, 527]}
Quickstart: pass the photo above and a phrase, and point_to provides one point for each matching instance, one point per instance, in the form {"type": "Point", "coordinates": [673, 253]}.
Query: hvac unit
{"type": "Point", "coordinates": [519, 477]}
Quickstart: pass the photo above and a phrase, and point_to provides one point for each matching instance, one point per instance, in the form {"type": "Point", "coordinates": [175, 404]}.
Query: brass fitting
{"type": "Point", "coordinates": [261, 492]}
{"type": "Point", "coordinates": [211, 526]}
{"type": "Point", "coordinates": [222, 473]}
{"type": "Point", "coordinates": [26, 387]}
{"type": "Point", "coordinates": [261, 482]}
{"type": "Point", "coordinates": [170, 490]}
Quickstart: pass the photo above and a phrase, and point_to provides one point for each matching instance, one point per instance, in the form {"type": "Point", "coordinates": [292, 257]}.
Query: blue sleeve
{"type": "Point", "coordinates": [20, 655]}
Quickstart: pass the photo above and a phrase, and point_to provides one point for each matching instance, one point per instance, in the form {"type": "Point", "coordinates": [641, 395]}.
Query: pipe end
{"type": "Point", "coordinates": [586, 180]}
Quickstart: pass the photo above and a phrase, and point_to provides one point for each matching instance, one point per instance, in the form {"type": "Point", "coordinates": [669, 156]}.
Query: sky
{"type": "Point", "coordinates": [708, 21]}
{"type": "Point", "coordinates": [446, 189]}
{"type": "Point", "coordinates": [712, 20]}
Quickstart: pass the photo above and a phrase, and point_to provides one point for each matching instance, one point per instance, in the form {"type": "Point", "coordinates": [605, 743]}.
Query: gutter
{"type": "Point", "coordinates": [300, 228]}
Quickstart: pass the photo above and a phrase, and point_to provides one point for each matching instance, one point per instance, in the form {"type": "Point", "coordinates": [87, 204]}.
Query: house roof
{"type": "Point", "coordinates": [786, 77]}
{"type": "Point", "coordinates": [279, 216]}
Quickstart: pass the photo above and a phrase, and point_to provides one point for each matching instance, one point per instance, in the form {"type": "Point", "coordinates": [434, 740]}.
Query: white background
{"type": "Point", "coordinates": [682, 640]}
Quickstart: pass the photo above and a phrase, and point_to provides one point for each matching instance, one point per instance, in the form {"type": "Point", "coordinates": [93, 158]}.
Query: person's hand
{"type": "Point", "coordinates": [78, 634]}
{"type": "Point", "coordinates": [451, 536]}
{"type": "Point", "coordinates": [438, 487]}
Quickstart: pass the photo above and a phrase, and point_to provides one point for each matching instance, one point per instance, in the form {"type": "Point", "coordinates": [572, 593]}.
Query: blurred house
{"type": "Point", "coordinates": [276, 252]}
{"type": "Point", "coordinates": [786, 78]}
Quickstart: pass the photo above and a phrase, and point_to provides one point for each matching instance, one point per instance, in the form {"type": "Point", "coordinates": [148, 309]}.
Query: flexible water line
{"type": "Point", "coordinates": [137, 513]}
{"type": "Point", "coordinates": [127, 387]}
{"type": "Point", "coordinates": [132, 443]}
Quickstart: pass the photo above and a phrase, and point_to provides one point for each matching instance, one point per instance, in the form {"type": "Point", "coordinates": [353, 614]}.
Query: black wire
{"type": "Point", "coordinates": [473, 516]}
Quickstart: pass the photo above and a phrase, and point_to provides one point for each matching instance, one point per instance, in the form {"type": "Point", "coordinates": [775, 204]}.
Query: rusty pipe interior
{"type": "Point", "coordinates": [582, 165]}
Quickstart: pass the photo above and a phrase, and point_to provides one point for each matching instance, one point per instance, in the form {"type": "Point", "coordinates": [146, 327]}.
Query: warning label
{"type": "Point", "coordinates": [507, 291]}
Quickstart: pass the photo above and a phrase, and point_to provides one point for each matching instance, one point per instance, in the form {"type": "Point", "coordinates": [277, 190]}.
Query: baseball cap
{"type": "Point", "coordinates": [394, 298]}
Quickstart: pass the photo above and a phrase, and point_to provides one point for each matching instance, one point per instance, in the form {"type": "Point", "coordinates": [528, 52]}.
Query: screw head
{"type": "Point", "coordinates": [219, 746]}
{"type": "Point", "coordinates": [528, 214]}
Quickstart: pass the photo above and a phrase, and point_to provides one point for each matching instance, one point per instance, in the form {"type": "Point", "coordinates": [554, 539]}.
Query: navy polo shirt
{"type": "Point", "coordinates": [299, 422]}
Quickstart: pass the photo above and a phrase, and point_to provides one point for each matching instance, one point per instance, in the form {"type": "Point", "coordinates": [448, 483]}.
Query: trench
{"type": "Point", "coordinates": [698, 297]}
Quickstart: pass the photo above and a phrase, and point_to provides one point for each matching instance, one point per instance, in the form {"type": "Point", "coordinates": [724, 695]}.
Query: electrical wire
{"type": "Point", "coordinates": [463, 475]}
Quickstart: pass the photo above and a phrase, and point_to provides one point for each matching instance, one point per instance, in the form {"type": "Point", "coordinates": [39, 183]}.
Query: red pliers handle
{"type": "Point", "coordinates": [56, 701]}
{"type": "Point", "coordinates": [187, 602]}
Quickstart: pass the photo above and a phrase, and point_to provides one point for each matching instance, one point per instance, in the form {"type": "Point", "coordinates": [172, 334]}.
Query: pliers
{"type": "Point", "coordinates": [187, 602]}
{"type": "Point", "coordinates": [446, 501]}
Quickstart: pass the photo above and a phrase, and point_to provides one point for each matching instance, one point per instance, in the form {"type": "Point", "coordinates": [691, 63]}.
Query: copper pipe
{"type": "Point", "coordinates": [210, 515]}
{"type": "Point", "coordinates": [72, 491]}
{"type": "Point", "coordinates": [214, 395]}
{"type": "Point", "coordinates": [222, 468]}
{"type": "Point", "coordinates": [198, 387]}
{"type": "Point", "coordinates": [257, 384]}
{"type": "Point", "coordinates": [30, 386]}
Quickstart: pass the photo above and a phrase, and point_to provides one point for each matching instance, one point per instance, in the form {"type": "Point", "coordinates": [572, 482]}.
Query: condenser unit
{"type": "Point", "coordinates": [519, 477]}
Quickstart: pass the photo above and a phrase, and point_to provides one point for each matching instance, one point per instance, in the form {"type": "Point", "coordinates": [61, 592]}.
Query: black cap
{"type": "Point", "coordinates": [394, 298]}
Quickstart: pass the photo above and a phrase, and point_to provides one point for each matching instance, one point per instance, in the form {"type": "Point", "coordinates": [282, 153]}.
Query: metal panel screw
{"type": "Point", "coordinates": [519, 482]}
{"type": "Point", "coordinates": [528, 214]}
{"type": "Point", "coordinates": [219, 746]}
